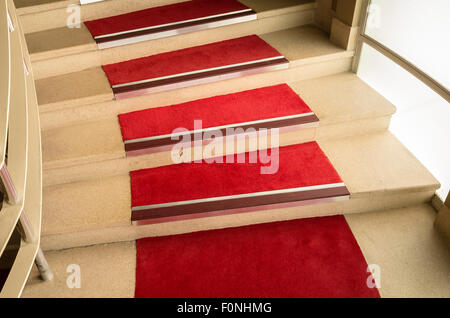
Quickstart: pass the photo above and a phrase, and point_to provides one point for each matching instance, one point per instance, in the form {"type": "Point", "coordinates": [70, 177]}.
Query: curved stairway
{"type": "Point", "coordinates": [107, 115]}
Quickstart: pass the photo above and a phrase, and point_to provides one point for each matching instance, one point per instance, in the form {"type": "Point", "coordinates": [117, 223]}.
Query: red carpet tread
{"type": "Point", "coordinates": [277, 106]}
{"type": "Point", "coordinates": [193, 66]}
{"type": "Point", "coordinates": [167, 20]}
{"type": "Point", "coordinates": [316, 257]}
{"type": "Point", "coordinates": [191, 190]}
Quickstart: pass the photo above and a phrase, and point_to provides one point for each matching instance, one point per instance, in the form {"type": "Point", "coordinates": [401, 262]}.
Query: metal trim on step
{"type": "Point", "coordinates": [179, 208]}
{"type": "Point", "coordinates": [199, 77]}
{"type": "Point", "coordinates": [167, 139]}
{"type": "Point", "coordinates": [175, 28]}
{"type": "Point", "coordinates": [258, 208]}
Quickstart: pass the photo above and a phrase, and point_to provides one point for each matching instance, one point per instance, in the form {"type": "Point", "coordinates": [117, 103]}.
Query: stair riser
{"type": "Point", "coordinates": [77, 111]}
{"type": "Point", "coordinates": [52, 64]}
{"type": "Point", "coordinates": [52, 16]}
{"type": "Point", "coordinates": [364, 203]}
{"type": "Point", "coordinates": [91, 168]}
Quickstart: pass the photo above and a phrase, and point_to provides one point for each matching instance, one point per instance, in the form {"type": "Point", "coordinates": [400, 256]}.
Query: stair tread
{"type": "Point", "coordinates": [60, 41]}
{"type": "Point", "coordinates": [162, 15]}
{"type": "Point", "coordinates": [31, 3]}
{"type": "Point", "coordinates": [301, 45]}
{"type": "Point", "coordinates": [86, 87]}
{"type": "Point", "coordinates": [266, 103]}
{"type": "Point", "coordinates": [266, 8]}
{"type": "Point", "coordinates": [335, 98]}
{"type": "Point", "coordinates": [304, 44]}
{"type": "Point", "coordinates": [166, 184]}
{"type": "Point", "coordinates": [41, 15]}
{"type": "Point", "coordinates": [369, 165]}
{"type": "Point", "coordinates": [101, 140]}
{"type": "Point", "coordinates": [300, 172]}
{"type": "Point", "coordinates": [65, 41]}
{"type": "Point", "coordinates": [376, 164]}
{"type": "Point", "coordinates": [31, 6]}
{"type": "Point", "coordinates": [38, 6]}
{"type": "Point", "coordinates": [343, 97]}
{"type": "Point", "coordinates": [401, 241]}
{"type": "Point", "coordinates": [218, 54]}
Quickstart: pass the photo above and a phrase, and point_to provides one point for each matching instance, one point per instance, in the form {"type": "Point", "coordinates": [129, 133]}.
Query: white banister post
{"type": "Point", "coordinates": [43, 267]}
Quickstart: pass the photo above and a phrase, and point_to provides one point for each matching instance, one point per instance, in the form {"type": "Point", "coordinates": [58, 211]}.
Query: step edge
{"type": "Point", "coordinates": [89, 47]}
{"type": "Point", "coordinates": [62, 105]}
{"type": "Point", "coordinates": [51, 240]}
{"type": "Point", "coordinates": [50, 165]}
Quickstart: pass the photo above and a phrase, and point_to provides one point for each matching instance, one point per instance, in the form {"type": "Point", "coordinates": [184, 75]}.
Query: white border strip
{"type": "Point", "coordinates": [89, 1]}
{"type": "Point", "coordinates": [197, 72]}
{"type": "Point", "coordinates": [237, 196]}
{"type": "Point", "coordinates": [170, 24]}
{"type": "Point", "coordinates": [218, 128]}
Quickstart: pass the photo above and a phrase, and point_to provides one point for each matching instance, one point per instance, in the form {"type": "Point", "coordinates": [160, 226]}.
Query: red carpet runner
{"type": "Point", "coordinates": [316, 257]}
{"type": "Point", "coordinates": [268, 107]}
{"type": "Point", "coordinates": [167, 20]}
{"type": "Point", "coordinates": [191, 189]}
{"type": "Point", "coordinates": [193, 66]}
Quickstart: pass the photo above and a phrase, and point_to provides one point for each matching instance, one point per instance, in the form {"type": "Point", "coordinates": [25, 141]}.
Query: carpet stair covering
{"type": "Point", "coordinates": [193, 66]}
{"type": "Point", "coordinates": [168, 20]}
{"type": "Point", "coordinates": [315, 257]}
{"type": "Point", "coordinates": [201, 189]}
{"type": "Point", "coordinates": [278, 106]}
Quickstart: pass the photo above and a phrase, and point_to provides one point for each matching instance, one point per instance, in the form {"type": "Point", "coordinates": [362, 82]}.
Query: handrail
{"type": "Point", "coordinates": [21, 171]}
{"type": "Point", "coordinates": [5, 67]}
{"type": "Point", "coordinates": [18, 118]}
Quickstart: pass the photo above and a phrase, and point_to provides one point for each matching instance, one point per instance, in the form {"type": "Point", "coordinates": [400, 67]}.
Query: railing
{"type": "Point", "coordinates": [20, 154]}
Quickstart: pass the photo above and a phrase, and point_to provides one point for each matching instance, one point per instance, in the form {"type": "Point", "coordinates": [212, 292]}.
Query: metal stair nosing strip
{"type": "Point", "coordinates": [160, 143]}
{"type": "Point", "coordinates": [176, 81]}
{"type": "Point", "coordinates": [175, 28]}
{"type": "Point", "coordinates": [172, 211]}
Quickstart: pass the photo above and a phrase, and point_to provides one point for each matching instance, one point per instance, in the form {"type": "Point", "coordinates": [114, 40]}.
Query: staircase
{"type": "Point", "coordinates": [96, 101]}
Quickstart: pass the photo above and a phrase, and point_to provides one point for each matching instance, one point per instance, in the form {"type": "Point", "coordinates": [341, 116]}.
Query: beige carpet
{"type": "Point", "coordinates": [414, 260]}
{"type": "Point", "coordinates": [105, 271]}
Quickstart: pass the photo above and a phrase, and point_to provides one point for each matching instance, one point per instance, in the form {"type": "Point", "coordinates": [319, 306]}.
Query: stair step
{"type": "Point", "coordinates": [307, 48]}
{"type": "Point", "coordinates": [268, 107]}
{"type": "Point", "coordinates": [166, 21]}
{"type": "Point", "coordinates": [344, 104]}
{"type": "Point", "coordinates": [32, 6]}
{"type": "Point", "coordinates": [41, 15]}
{"type": "Point", "coordinates": [52, 51]}
{"type": "Point", "coordinates": [295, 175]}
{"type": "Point", "coordinates": [401, 241]}
{"type": "Point", "coordinates": [193, 66]}
{"type": "Point", "coordinates": [294, 259]}
{"type": "Point", "coordinates": [378, 171]}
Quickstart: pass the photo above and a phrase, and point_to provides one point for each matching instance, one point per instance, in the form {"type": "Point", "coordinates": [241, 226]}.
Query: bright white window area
{"type": "Point", "coordinates": [417, 30]}
{"type": "Point", "coordinates": [422, 121]}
